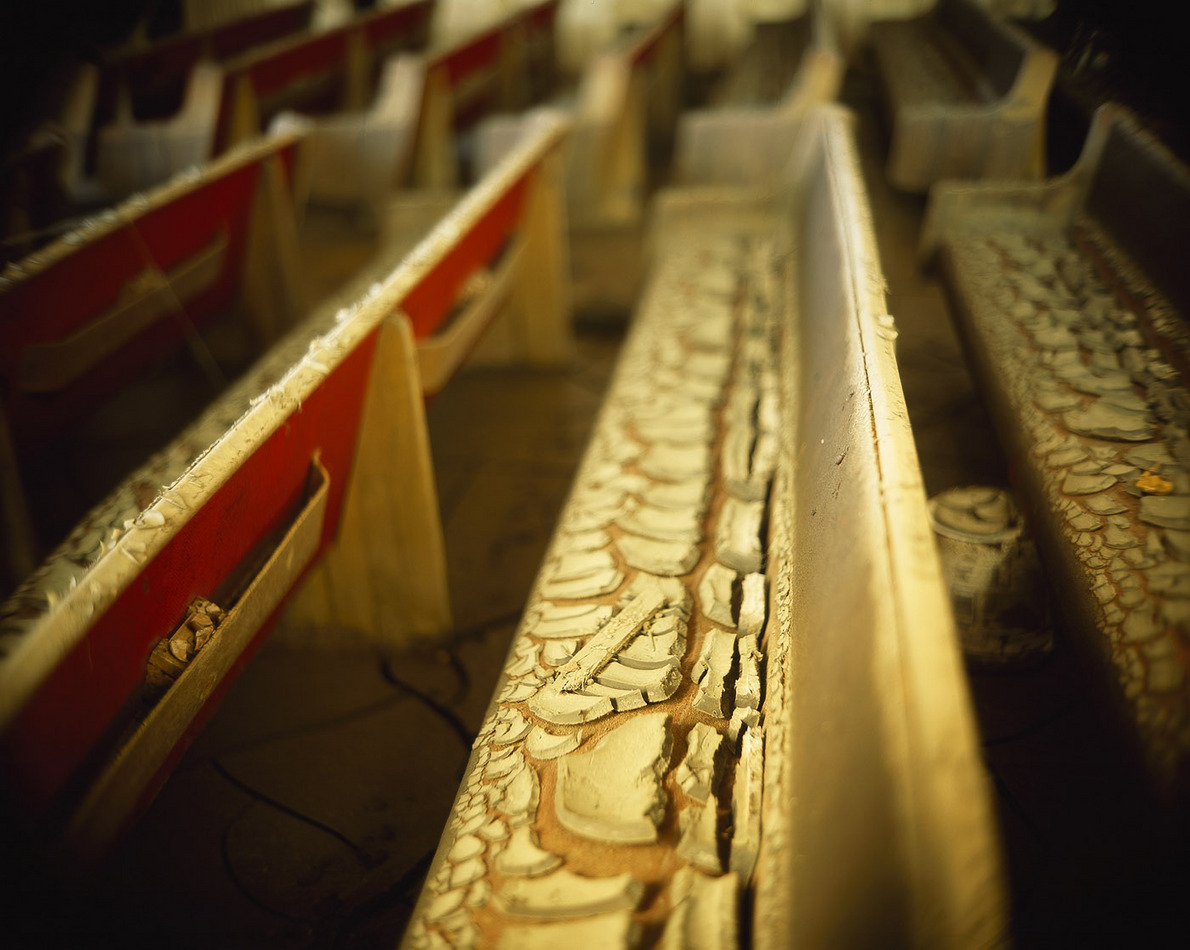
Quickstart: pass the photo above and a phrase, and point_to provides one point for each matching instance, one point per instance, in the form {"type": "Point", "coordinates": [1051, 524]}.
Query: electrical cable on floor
{"type": "Point", "coordinates": [1004, 792]}
{"type": "Point", "coordinates": [366, 859]}
{"type": "Point", "coordinates": [405, 889]}
{"type": "Point", "coordinates": [240, 886]}
{"type": "Point", "coordinates": [460, 671]}
{"type": "Point", "coordinates": [464, 733]}
{"type": "Point", "coordinates": [341, 719]}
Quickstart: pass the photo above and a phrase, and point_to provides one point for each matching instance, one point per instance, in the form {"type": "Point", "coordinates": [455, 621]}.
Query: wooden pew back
{"type": "Point", "coordinates": [997, 49]}
{"type": "Point", "coordinates": [95, 308]}
{"type": "Point", "coordinates": [1140, 194]}
{"type": "Point", "coordinates": [323, 71]}
{"type": "Point", "coordinates": [154, 77]}
{"type": "Point", "coordinates": [854, 513]}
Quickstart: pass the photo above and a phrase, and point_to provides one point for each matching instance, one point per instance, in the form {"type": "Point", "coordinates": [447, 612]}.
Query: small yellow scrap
{"type": "Point", "coordinates": [1153, 484]}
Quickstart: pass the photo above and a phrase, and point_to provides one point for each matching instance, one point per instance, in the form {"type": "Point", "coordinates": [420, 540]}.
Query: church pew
{"type": "Point", "coordinates": [232, 102]}
{"type": "Point", "coordinates": [315, 463]}
{"type": "Point", "coordinates": [90, 314]}
{"type": "Point", "coordinates": [1071, 298]}
{"type": "Point", "coordinates": [966, 94]}
{"type": "Point", "coordinates": [140, 81]}
{"type": "Point", "coordinates": [150, 80]}
{"type": "Point", "coordinates": [626, 113]}
{"type": "Point", "coordinates": [734, 704]}
{"type": "Point", "coordinates": [408, 134]}
{"type": "Point", "coordinates": [739, 145]}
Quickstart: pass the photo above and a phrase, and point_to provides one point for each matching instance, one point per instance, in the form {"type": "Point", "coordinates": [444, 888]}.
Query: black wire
{"type": "Point", "coordinates": [391, 897]}
{"type": "Point", "coordinates": [247, 789]}
{"type": "Point", "coordinates": [229, 870]}
{"type": "Point", "coordinates": [461, 730]}
{"type": "Point", "coordinates": [339, 720]}
{"type": "Point", "coordinates": [461, 674]}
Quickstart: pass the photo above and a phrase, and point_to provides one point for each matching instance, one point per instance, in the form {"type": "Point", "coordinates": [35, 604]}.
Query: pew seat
{"type": "Point", "coordinates": [1071, 299]}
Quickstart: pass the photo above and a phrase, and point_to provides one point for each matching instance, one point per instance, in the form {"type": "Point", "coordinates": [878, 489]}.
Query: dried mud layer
{"type": "Point", "coordinates": [613, 795]}
{"type": "Point", "coordinates": [1089, 361]}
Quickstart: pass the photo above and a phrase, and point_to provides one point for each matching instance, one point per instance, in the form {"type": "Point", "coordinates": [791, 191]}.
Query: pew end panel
{"type": "Point", "coordinates": [152, 79]}
{"type": "Point", "coordinates": [625, 117]}
{"type": "Point", "coordinates": [499, 68]}
{"type": "Point", "coordinates": [332, 70]}
{"type": "Point", "coordinates": [356, 161]}
{"type": "Point", "coordinates": [134, 156]}
{"type": "Point", "coordinates": [1054, 204]}
{"type": "Point", "coordinates": [407, 137]}
{"type": "Point", "coordinates": [391, 32]}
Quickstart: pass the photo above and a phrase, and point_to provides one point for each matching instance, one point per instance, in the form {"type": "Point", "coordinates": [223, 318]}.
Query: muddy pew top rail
{"type": "Point", "coordinates": [1072, 296]}
{"type": "Point", "coordinates": [966, 94]}
{"type": "Point", "coordinates": [114, 652]}
{"type": "Point", "coordinates": [735, 686]}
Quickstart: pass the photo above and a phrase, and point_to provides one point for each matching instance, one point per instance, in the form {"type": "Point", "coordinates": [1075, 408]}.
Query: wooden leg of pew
{"type": "Point", "coordinates": [540, 304]}
{"type": "Point", "coordinates": [273, 296]}
{"type": "Point", "coordinates": [623, 200]}
{"type": "Point", "coordinates": [20, 542]}
{"type": "Point", "coordinates": [514, 72]}
{"type": "Point", "coordinates": [355, 91]}
{"type": "Point", "coordinates": [244, 124]}
{"type": "Point", "coordinates": [434, 164]}
{"type": "Point", "coordinates": [385, 574]}
{"type": "Point", "coordinates": [666, 89]}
